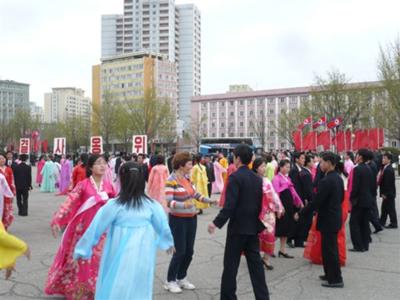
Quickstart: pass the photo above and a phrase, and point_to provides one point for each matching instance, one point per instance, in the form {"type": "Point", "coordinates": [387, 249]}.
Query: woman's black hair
{"type": "Point", "coordinates": [340, 168]}
{"type": "Point", "coordinates": [257, 163]}
{"type": "Point", "coordinates": [281, 164]}
{"type": "Point", "coordinates": [196, 159]}
{"type": "Point", "coordinates": [90, 163]}
{"type": "Point", "coordinates": [133, 184]}
{"type": "Point", "coordinates": [160, 159]}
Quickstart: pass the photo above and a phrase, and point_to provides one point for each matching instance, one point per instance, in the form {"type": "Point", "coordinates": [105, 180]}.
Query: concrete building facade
{"type": "Point", "coordinates": [64, 103]}
{"type": "Point", "coordinates": [13, 96]}
{"type": "Point", "coordinates": [252, 114]}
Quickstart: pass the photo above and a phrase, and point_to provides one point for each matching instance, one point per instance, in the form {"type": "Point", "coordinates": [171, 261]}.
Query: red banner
{"type": "Point", "coordinates": [324, 139]}
{"type": "Point", "coordinates": [297, 140]}
{"type": "Point", "coordinates": [310, 140]}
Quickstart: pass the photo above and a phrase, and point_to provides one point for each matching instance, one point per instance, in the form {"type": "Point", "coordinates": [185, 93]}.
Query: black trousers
{"type": "Point", "coordinates": [235, 245]}
{"type": "Point", "coordinates": [374, 215]}
{"type": "Point", "coordinates": [330, 257]}
{"type": "Point", "coordinates": [22, 201]}
{"type": "Point", "coordinates": [389, 209]}
{"type": "Point", "coordinates": [359, 227]}
{"type": "Point", "coordinates": [209, 188]}
{"type": "Point", "coordinates": [184, 233]}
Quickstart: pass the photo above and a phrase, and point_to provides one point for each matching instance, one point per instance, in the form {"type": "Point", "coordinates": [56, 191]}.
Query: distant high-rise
{"type": "Point", "coordinates": [160, 26]}
{"type": "Point", "coordinates": [13, 96]}
{"type": "Point", "coordinates": [65, 103]}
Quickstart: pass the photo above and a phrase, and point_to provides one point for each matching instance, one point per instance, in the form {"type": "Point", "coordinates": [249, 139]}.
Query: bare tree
{"type": "Point", "coordinates": [196, 130]}
{"type": "Point", "coordinates": [389, 73]}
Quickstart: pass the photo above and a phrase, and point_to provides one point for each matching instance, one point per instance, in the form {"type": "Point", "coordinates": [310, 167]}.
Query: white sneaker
{"type": "Point", "coordinates": [185, 284]}
{"type": "Point", "coordinates": [172, 287]}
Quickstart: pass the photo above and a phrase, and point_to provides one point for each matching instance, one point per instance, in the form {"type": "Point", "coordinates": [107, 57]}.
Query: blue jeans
{"type": "Point", "coordinates": [184, 233]}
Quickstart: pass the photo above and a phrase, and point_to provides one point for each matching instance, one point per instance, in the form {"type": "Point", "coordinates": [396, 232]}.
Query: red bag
{"type": "Point", "coordinates": [312, 251]}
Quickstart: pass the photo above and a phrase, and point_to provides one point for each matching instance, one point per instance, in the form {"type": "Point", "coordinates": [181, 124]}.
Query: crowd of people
{"type": "Point", "coordinates": [119, 209]}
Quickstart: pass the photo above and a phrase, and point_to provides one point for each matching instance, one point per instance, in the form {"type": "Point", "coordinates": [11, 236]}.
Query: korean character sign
{"type": "Point", "coordinates": [59, 146]}
{"type": "Point", "coordinates": [96, 145]}
{"type": "Point", "coordinates": [139, 144]}
{"type": "Point", "coordinates": [24, 146]}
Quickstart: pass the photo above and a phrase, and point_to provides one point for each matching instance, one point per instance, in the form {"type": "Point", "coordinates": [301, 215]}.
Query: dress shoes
{"type": "Point", "coordinates": [357, 250]}
{"type": "Point", "coordinates": [323, 277]}
{"type": "Point", "coordinates": [391, 226]}
{"type": "Point", "coordinates": [378, 230]}
{"type": "Point", "coordinates": [333, 285]}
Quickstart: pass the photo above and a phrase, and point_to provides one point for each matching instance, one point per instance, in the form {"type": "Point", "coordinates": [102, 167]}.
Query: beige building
{"type": "Point", "coordinates": [128, 76]}
{"type": "Point", "coordinates": [66, 102]}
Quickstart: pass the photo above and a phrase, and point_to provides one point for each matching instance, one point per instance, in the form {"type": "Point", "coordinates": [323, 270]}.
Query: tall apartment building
{"type": "Point", "coordinates": [37, 112]}
{"type": "Point", "coordinates": [13, 96]}
{"type": "Point", "coordinates": [64, 103]}
{"type": "Point", "coordinates": [160, 26]}
{"type": "Point", "coordinates": [128, 76]}
{"type": "Point", "coordinates": [252, 114]}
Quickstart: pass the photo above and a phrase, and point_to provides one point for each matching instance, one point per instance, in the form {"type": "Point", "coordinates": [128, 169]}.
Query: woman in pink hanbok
{"type": "Point", "coordinates": [156, 183]}
{"type": "Point", "coordinates": [39, 176]}
{"type": "Point", "coordinates": [77, 280]}
{"type": "Point", "coordinates": [271, 208]}
{"type": "Point", "coordinates": [218, 184]}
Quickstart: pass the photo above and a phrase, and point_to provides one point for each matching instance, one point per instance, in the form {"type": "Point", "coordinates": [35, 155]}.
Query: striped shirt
{"type": "Point", "coordinates": [178, 191]}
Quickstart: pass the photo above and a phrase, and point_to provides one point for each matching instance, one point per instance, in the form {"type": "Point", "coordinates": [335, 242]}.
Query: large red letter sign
{"type": "Point", "coordinates": [96, 145]}
{"type": "Point", "coordinates": [59, 146]}
{"type": "Point", "coordinates": [139, 144]}
{"type": "Point", "coordinates": [24, 146]}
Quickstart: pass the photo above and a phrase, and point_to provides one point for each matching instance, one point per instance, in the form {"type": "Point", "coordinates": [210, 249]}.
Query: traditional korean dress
{"type": "Point", "coordinates": [129, 255]}
{"type": "Point", "coordinates": [49, 173]}
{"type": "Point", "coordinates": [156, 184]}
{"type": "Point", "coordinates": [289, 198]}
{"type": "Point", "coordinates": [39, 176]}
{"type": "Point", "coordinates": [77, 281]}
{"type": "Point", "coordinates": [7, 215]}
{"type": "Point", "coordinates": [10, 248]}
{"type": "Point", "coordinates": [270, 206]}
{"type": "Point", "coordinates": [65, 176]}
{"type": "Point", "coordinates": [218, 184]}
{"type": "Point", "coordinates": [200, 180]}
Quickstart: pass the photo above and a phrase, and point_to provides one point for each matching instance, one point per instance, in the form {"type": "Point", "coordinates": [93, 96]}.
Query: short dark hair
{"type": "Point", "coordinates": [133, 184]}
{"type": "Point", "coordinates": [90, 163]}
{"type": "Point", "coordinates": [281, 164]}
{"type": "Point", "coordinates": [84, 157]}
{"type": "Point", "coordinates": [244, 152]}
{"type": "Point", "coordinates": [308, 159]}
{"type": "Point", "coordinates": [257, 163]}
{"type": "Point", "coordinates": [296, 155]}
{"type": "Point", "coordinates": [23, 157]}
{"type": "Point", "coordinates": [180, 159]}
{"type": "Point", "coordinates": [268, 158]}
{"type": "Point", "coordinates": [388, 155]}
{"type": "Point", "coordinates": [350, 154]}
{"type": "Point", "coordinates": [331, 157]}
{"type": "Point", "coordinates": [364, 153]}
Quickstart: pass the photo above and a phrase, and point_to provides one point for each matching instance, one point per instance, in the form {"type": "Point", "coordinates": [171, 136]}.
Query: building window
{"type": "Point", "coordinates": [283, 145]}
{"type": "Point", "coordinates": [271, 101]}
{"type": "Point", "coordinates": [213, 115]}
{"type": "Point", "coordinates": [241, 134]}
{"type": "Point", "coordinates": [232, 114]}
{"type": "Point", "coordinates": [222, 104]}
{"type": "Point", "coordinates": [251, 113]}
{"type": "Point", "coordinates": [222, 124]}
{"type": "Point", "coordinates": [251, 134]}
{"type": "Point", "coordinates": [212, 125]}
{"type": "Point", "coordinates": [242, 113]}
{"type": "Point", "coordinates": [282, 99]}
{"type": "Point", "coordinates": [241, 102]}
{"type": "Point", "coordinates": [231, 103]}
{"type": "Point", "coordinates": [241, 124]}
{"type": "Point", "coordinates": [231, 125]}
{"type": "Point", "coordinates": [271, 111]}
{"type": "Point", "coordinates": [222, 134]}
{"type": "Point", "coordinates": [271, 145]}
{"type": "Point", "coordinates": [261, 112]}
{"type": "Point", "coordinates": [213, 135]}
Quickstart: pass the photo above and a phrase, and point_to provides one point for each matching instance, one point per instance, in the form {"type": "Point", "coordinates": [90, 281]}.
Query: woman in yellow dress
{"type": "Point", "coordinates": [10, 246]}
{"type": "Point", "coordinates": [200, 181]}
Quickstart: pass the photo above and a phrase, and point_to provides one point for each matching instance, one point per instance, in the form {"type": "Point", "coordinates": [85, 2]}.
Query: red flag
{"type": "Point", "coordinates": [309, 141]}
{"type": "Point", "coordinates": [323, 139]}
{"type": "Point", "coordinates": [306, 122]}
{"type": "Point", "coordinates": [45, 145]}
{"type": "Point", "coordinates": [335, 122]}
{"type": "Point", "coordinates": [297, 139]}
{"type": "Point", "coordinates": [373, 138]}
{"type": "Point", "coordinates": [320, 122]}
{"type": "Point", "coordinates": [339, 141]}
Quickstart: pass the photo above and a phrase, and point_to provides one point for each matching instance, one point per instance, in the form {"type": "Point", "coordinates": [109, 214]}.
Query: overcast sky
{"type": "Point", "coordinates": [263, 43]}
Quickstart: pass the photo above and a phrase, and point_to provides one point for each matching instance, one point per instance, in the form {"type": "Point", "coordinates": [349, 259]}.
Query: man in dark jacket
{"type": "Point", "coordinates": [361, 198]}
{"type": "Point", "coordinates": [387, 190]}
{"type": "Point", "coordinates": [328, 204]}
{"type": "Point", "coordinates": [210, 173]}
{"type": "Point", "coordinates": [242, 208]}
{"type": "Point", "coordinates": [169, 161]}
{"type": "Point", "coordinates": [23, 183]}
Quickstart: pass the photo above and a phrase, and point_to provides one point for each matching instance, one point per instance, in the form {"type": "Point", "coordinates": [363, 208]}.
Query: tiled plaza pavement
{"type": "Point", "coordinates": [372, 275]}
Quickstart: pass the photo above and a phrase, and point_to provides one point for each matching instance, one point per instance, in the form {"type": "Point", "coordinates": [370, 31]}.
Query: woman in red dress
{"type": "Point", "coordinates": [8, 216]}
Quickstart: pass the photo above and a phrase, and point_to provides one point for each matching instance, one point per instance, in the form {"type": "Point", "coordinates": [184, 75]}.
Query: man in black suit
{"type": "Point", "coordinates": [361, 198]}
{"type": "Point", "coordinates": [242, 208]}
{"type": "Point", "coordinates": [328, 204]}
{"type": "Point", "coordinates": [210, 173]}
{"type": "Point", "coordinates": [295, 175]}
{"type": "Point", "coordinates": [374, 213]}
{"type": "Point", "coordinates": [23, 183]}
{"type": "Point", "coordinates": [169, 161]}
{"type": "Point", "coordinates": [387, 190]}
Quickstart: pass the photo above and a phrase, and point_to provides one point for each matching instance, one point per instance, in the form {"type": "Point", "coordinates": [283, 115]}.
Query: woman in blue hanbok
{"type": "Point", "coordinates": [49, 175]}
{"type": "Point", "coordinates": [136, 226]}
